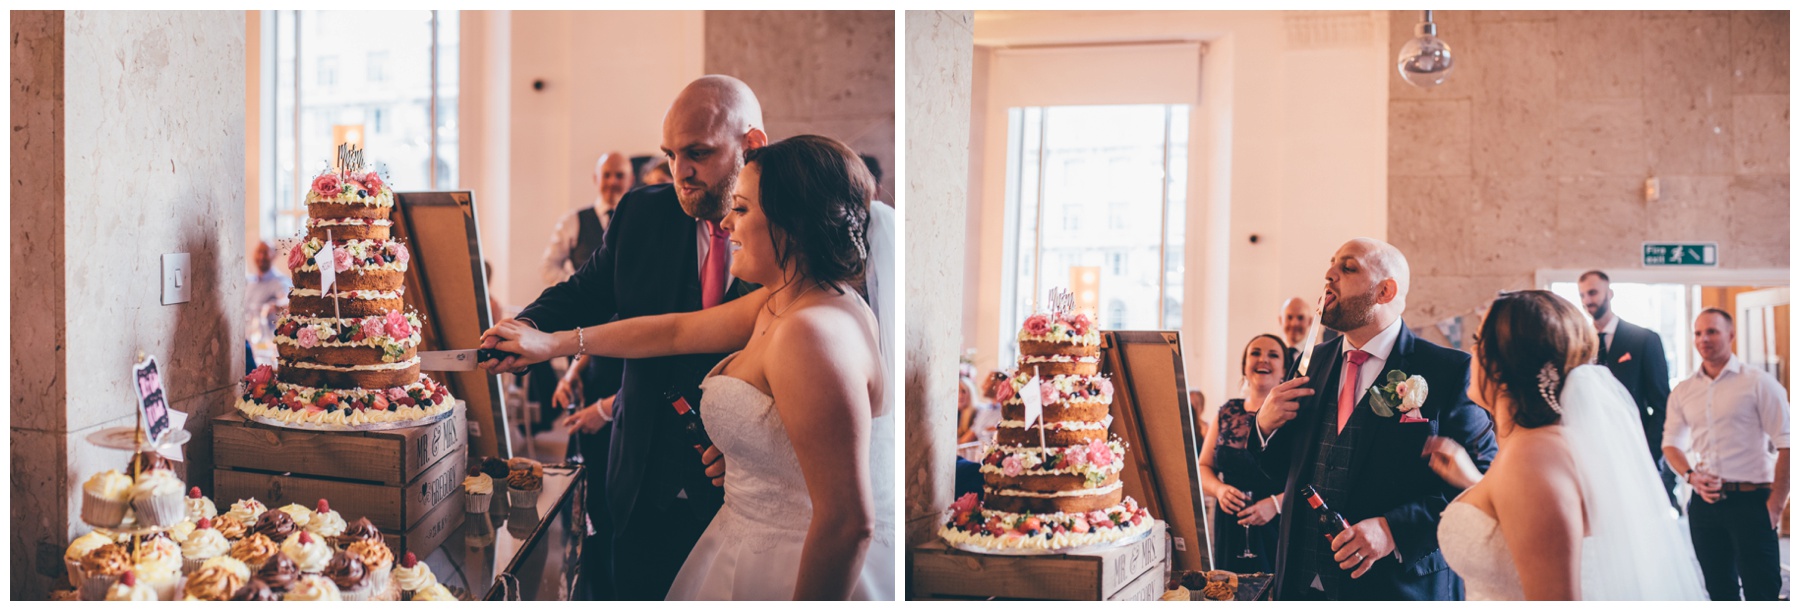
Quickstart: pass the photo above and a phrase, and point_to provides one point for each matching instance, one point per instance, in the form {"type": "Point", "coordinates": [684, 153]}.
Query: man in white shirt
{"type": "Point", "coordinates": [1727, 434]}
{"type": "Point", "coordinates": [578, 235]}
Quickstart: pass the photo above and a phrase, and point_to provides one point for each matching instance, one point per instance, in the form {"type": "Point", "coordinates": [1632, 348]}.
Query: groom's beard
{"type": "Point", "coordinates": [709, 204]}
{"type": "Point", "coordinates": [1350, 311]}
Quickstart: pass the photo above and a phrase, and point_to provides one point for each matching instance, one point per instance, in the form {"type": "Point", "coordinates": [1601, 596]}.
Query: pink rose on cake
{"type": "Point", "coordinates": [1049, 392]}
{"type": "Point", "coordinates": [1081, 324]}
{"type": "Point", "coordinates": [308, 337]}
{"type": "Point", "coordinates": [399, 252]}
{"type": "Point", "coordinates": [397, 326]}
{"type": "Point", "coordinates": [1012, 467]}
{"type": "Point", "coordinates": [260, 376]}
{"type": "Point", "coordinates": [966, 503]}
{"type": "Point", "coordinates": [372, 182]}
{"type": "Point", "coordinates": [373, 327]}
{"type": "Point", "coordinates": [1038, 324]}
{"type": "Point", "coordinates": [328, 184]}
{"type": "Point", "coordinates": [1075, 456]}
{"type": "Point", "coordinates": [1099, 454]}
{"type": "Point", "coordinates": [341, 259]}
{"type": "Point", "coordinates": [1004, 392]}
{"type": "Point", "coordinates": [296, 257]}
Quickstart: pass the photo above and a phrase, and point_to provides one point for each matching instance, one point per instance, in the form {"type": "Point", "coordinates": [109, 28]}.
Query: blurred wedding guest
{"type": "Point", "coordinates": [655, 171]}
{"type": "Point", "coordinates": [1203, 415]}
{"type": "Point", "coordinates": [1727, 435]}
{"type": "Point", "coordinates": [1245, 531]}
{"type": "Point", "coordinates": [1296, 319]}
{"type": "Point", "coordinates": [267, 290]}
{"type": "Point", "coordinates": [1635, 356]}
{"type": "Point", "coordinates": [578, 235]}
{"type": "Point", "coordinates": [976, 419]}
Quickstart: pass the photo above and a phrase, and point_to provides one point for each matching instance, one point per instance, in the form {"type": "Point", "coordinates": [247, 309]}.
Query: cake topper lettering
{"type": "Point", "coordinates": [1062, 301]}
{"type": "Point", "coordinates": [349, 159]}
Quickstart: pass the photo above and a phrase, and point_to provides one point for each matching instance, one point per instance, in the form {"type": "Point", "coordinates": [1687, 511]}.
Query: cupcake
{"type": "Point", "coordinates": [247, 510]}
{"type": "Point", "coordinates": [101, 567]}
{"type": "Point", "coordinates": [254, 550]}
{"type": "Point", "coordinates": [204, 544]}
{"type": "Point", "coordinates": [128, 589]}
{"type": "Point", "coordinates": [279, 573]}
{"type": "Point", "coordinates": [494, 467]}
{"type": "Point", "coordinates": [436, 592]}
{"type": "Point", "coordinates": [313, 587]}
{"type": "Point", "coordinates": [228, 564]}
{"type": "Point", "coordinates": [376, 556]}
{"type": "Point", "coordinates": [104, 498]}
{"type": "Point", "coordinates": [199, 506]}
{"type": "Point", "coordinates": [180, 532]}
{"type": "Point", "coordinates": [275, 525]}
{"type": "Point", "coordinates": [158, 565]}
{"type": "Point", "coordinates": [414, 575]}
{"type": "Point", "coordinates": [300, 514]}
{"type": "Point", "coordinates": [231, 527]}
{"type": "Point", "coordinates": [351, 576]}
{"type": "Point", "coordinates": [79, 549]}
{"type": "Point", "coordinates": [478, 490]}
{"type": "Point", "coordinates": [520, 463]}
{"type": "Point", "coordinates": [523, 486]}
{"type": "Point", "coordinates": [325, 522]}
{"type": "Point", "coordinates": [157, 499]}
{"type": "Point", "coordinates": [308, 552]}
{"type": "Point", "coordinates": [255, 590]}
{"type": "Point", "coordinates": [357, 531]}
{"type": "Point", "coordinates": [212, 583]}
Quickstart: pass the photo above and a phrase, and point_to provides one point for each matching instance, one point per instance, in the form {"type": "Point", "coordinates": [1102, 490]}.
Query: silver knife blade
{"type": "Point", "coordinates": [448, 360]}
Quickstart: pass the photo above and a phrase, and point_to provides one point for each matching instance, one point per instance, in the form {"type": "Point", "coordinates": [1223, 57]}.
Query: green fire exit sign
{"type": "Point", "coordinates": [1701, 254]}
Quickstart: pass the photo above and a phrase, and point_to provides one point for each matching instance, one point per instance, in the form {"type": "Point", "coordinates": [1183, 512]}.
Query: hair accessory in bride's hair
{"type": "Point", "coordinates": [856, 237]}
{"type": "Point", "coordinates": [1549, 379]}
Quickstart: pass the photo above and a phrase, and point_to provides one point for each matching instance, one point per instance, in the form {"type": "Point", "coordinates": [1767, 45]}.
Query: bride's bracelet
{"type": "Point", "coordinates": [581, 341]}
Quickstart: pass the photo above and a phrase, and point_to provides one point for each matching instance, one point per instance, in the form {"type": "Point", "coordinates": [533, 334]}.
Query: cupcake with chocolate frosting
{"type": "Point", "coordinates": [276, 525]}
{"type": "Point", "coordinates": [279, 573]}
{"type": "Point", "coordinates": [376, 555]}
{"type": "Point", "coordinates": [212, 583]}
{"type": "Point", "coordinates": [351, 575]}
{"type": "Point", "coordinates": [255, 590]}
{"type": "Point", "coordinates": [359, 530]}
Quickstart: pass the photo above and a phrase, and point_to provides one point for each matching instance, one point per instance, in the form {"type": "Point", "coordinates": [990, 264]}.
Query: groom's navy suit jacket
{"type": "Point", "coordinates": [648, 265]}
{"type": "Point", "coordinates": [1389, 477]}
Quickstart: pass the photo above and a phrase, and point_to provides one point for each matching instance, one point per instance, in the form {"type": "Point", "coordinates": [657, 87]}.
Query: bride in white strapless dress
{"type": "Point", "coordinates": [1572, 497]}
{"type": "Point", "coordinates": [801, 410]}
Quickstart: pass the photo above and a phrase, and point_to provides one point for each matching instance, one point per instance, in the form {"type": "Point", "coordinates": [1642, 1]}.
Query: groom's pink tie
{"type": "Point", "coordinates": [1347, 389]}
{"type": "Point", "coordinates": [714, 273]}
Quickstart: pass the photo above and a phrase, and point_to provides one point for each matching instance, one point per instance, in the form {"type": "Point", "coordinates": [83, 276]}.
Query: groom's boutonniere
{"type": "Point", "coordinates": [1403, 394]}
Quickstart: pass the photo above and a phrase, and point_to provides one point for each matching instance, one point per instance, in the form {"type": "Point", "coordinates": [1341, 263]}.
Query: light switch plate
{"type": "Point", "coordinates": [177, 278]}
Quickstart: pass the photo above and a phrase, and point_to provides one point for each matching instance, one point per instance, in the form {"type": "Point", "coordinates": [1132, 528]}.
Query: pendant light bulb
{"type": "Point", "coordinates": [1425, 60]}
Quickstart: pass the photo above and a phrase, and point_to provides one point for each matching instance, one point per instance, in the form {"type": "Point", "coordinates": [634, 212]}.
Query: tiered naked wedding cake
{"type": "Point", "coordinates": [349, 354]}
{"type": "Point", "coordinates": [1054, 484]}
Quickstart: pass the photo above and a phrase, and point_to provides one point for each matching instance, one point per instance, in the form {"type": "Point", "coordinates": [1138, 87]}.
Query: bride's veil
{"type": "Point", "coordinates": [882, 289]}
{"type": "Point", "coordinates": [1636, 549]}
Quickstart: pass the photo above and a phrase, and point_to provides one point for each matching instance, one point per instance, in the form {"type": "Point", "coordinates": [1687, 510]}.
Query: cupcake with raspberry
{"type": "Point", "coordinates": [413, 575]}
{"type": "Point", "coordinates": [157, 564]}
{"type": "Point", "coordinates": [205, 543]}
{"type": "Point", "coordinates": [198, 506]}
{"type": "Point", "coordinates": [105, 498]}
{"type": "Point", "coordinates": [308, 551]}
{"type": "Point", "coordinates": [157, 499]}
{"type": "Point", "coordinates": [325, 523]}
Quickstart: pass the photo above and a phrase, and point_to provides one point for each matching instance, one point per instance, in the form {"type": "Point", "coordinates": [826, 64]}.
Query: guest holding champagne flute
{"type": "Point", "coordinates": [1247, 498]}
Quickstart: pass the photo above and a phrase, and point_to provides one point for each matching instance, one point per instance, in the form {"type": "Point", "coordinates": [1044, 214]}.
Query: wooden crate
{"type": "Point", "coordinates": [385, 457]}
{"type": "Point", "coordinates": [431, 532]}
{"type": "Point", "coordinates": [405, 481]}
{"type": "Point", "coordinates": [1132, 572]}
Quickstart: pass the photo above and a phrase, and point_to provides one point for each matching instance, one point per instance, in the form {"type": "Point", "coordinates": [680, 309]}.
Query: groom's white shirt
{"type": "Point", "coordinates": [1379, 348]}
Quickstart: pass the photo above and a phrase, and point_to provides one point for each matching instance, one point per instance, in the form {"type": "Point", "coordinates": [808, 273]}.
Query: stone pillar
{"type": "Point", "coordinates": [128, 143]}
{"type": "Point", "coordinates": [940, 52]}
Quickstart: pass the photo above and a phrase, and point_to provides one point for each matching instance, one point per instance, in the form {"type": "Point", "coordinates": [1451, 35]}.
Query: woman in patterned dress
{"type": "Point", "coordinates": [1229, 473]}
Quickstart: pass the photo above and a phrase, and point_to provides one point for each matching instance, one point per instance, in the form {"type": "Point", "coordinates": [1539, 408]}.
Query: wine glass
{"type": "Point", "coordinates": [1249, 499]}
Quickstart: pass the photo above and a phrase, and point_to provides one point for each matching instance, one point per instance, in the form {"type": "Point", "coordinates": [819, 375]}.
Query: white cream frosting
{"type": "Point", "coordinates": [436, 592]}
{"type": "Point", "coordinates": [1066, 425]}
{"type": "Point", "coordinates": [247, 510]}
{"type": "Point", "coordinates": [301, 515]}
{"type": "Point", "coordinates": [1058, 494]}
{"type": "Point", "coordinates": [138, 592]}
{"type": "Point", "coordinates": [1044, 541]}
{"type": "Point", "coordinates": [110, 485]}
{"type": "Point", "coordinates": [327, 524]}
{"type": "Point", "coordinates": [313, 587]}
{"type": "Point", "coordinates": [479, 483]}
{"type": "Point", "coordinates": [357, 294]}
{"type": "Point", "coordinates": [1059, 358]}
{"type": "Point", "coordinates": [309, 557]}
{"type": "Point", "coordinates": [376, 367]}
{"type": "Point", "coordinates": [231, 565]}
{"type": "Point", "coordinates": [348, 221]}
{"type": "Point", "coordinates": [414, 579]}
{"type": "Point", "coordinates": [205, 543]}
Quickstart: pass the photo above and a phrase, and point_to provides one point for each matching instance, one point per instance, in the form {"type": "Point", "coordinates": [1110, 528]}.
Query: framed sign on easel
{"type": "Point", "coordinates": [1151, 414]}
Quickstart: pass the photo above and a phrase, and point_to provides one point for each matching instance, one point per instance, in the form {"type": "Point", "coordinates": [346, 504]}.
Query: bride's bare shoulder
{"type": "Point", "coordinates": [1537, 463]}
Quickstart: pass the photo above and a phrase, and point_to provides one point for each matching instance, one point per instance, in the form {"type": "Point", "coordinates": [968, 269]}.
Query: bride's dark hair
{"type": "Point", "coordinates": [1529, 342]}
{"type": "Point", "coordinates": [815, 192]}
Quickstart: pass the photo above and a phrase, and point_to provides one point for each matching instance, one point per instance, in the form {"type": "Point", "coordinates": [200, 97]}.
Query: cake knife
{"type": "Point", "coordinates": [459, 360]}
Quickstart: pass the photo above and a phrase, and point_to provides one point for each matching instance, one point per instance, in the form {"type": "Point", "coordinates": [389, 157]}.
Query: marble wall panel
{"type": "Point", "coordinates": [1435, 298]}
{"type": "Point", "coordinates": [1603, 136]}
{"type": "Point", "coordinates": [1759, 215]}
{"type": "Point", "coordinates": [814, 72]}
{"type": "Point", "coordinates": [939, 63]}
{"type": "Point", "coordinates": [39, 331]}
{"type": "Point", "coordinates": [1516, 101]}
{"type": "Point", "coordinates": [1687, 94]}
{"type": "Point", "coordinates": [155, 119]}
{"type": "Point", "coordinates": [1600, 220]}
{"type": "Point", "coordinates": [1599, 55]}
{"type": "Point", "coordinates": [1759, 126]}
{"type": "Point", "coordinates": [1759, 59]}
{"type": "Point", "coordinates": [40, 514]}
{"type": "Point", "coordinates": [1428, 220]}
{"type": "Point", "coordinates": [1428, 138]}
{"type": "Point", "coordinates": [1690, 208]}
{"type": "Point", "coordinates": [1511, 222]}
